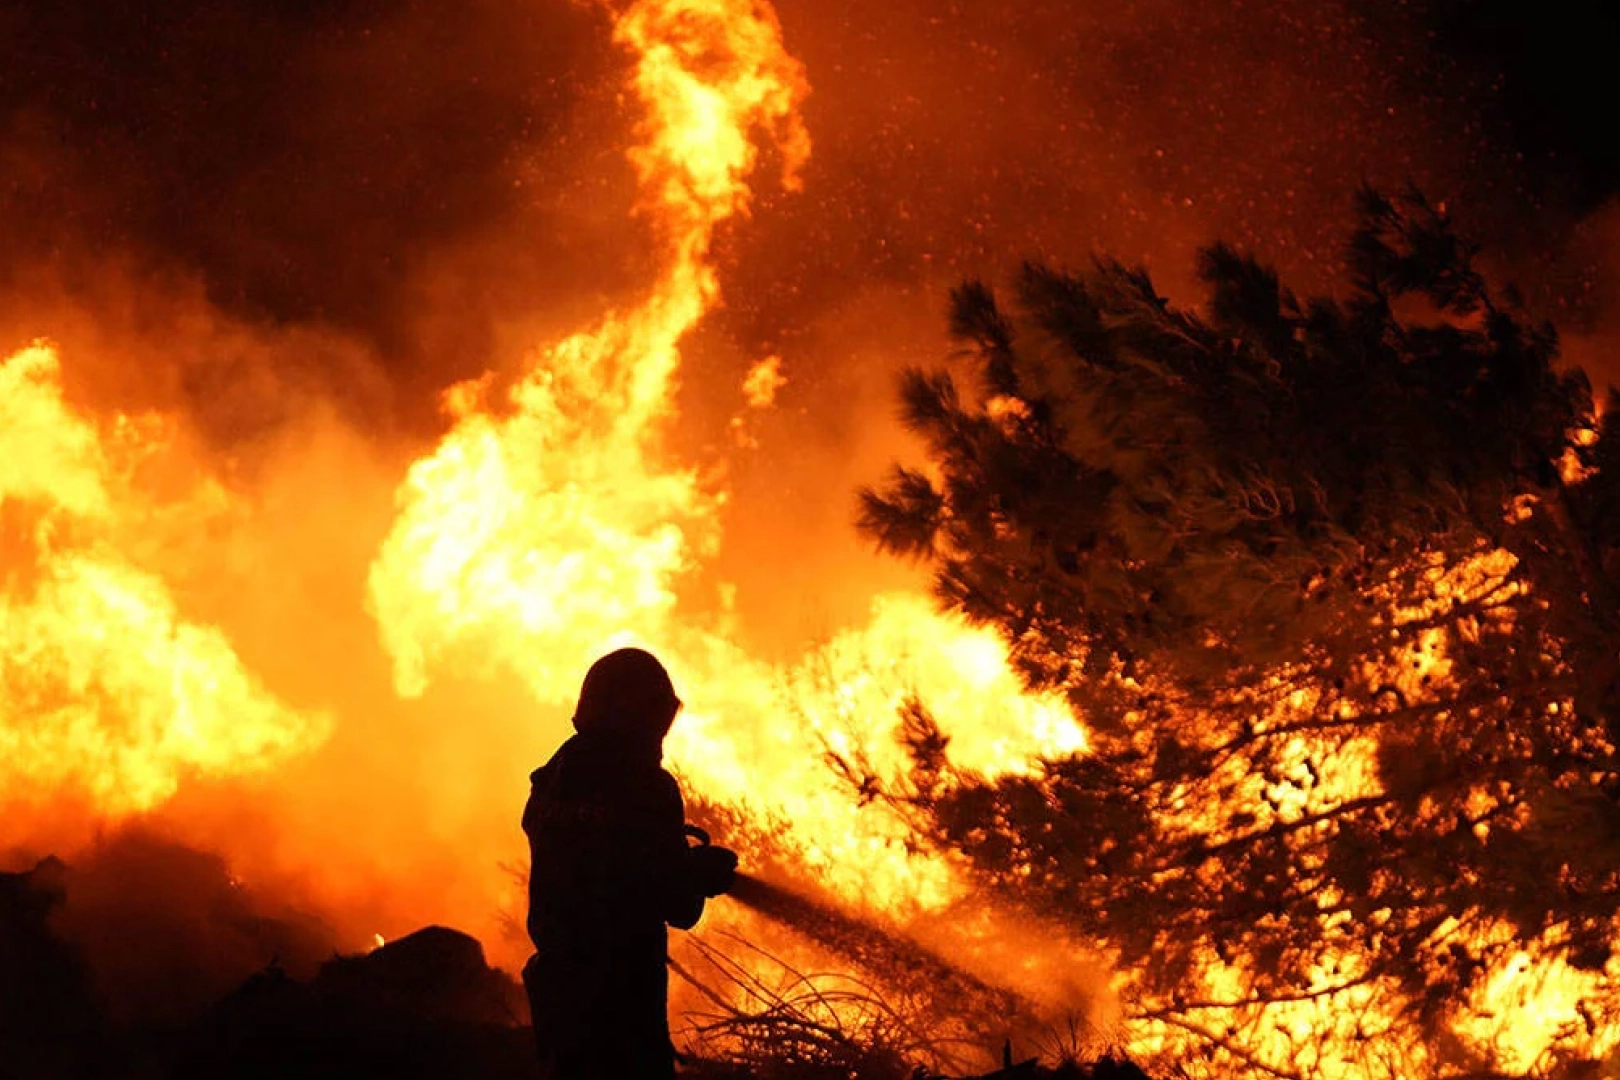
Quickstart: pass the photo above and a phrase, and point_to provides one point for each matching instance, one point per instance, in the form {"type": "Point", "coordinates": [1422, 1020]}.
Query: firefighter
{"type": "Point", "coordinates": [611, 863]}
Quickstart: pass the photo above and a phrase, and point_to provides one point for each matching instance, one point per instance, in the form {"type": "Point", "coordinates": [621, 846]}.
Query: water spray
{"type": "Point", "coordinates": [896, 959]}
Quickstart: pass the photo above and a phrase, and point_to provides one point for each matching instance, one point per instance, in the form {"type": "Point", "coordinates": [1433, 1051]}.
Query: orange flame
{"type": "Point", "coordinates": [106, 690]}
{"type": "Point", "coordinates": [534, 538]}
{"type": "Point", "coordinates": [548, 526]}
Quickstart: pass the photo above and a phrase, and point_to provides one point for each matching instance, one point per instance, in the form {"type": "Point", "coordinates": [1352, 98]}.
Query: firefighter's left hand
{"type": "Point", "coordinates": [713, 869]}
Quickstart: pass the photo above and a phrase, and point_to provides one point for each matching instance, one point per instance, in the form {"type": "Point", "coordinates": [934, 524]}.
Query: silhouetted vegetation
{"type": "Point", "coordinates": [1333, 581]}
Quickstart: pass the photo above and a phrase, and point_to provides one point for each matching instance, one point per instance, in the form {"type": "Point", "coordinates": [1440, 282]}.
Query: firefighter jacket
{"type": "Point", "coordinates": [609, 864]}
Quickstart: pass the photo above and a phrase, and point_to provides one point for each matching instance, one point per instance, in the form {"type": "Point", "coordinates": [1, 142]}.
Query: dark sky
{"type": "Point", "coordinates": [1548, 86]}
{"type": "Point", "coordinates": [431, 181]}
{"type": "Point", "coordinates": [303, 160]}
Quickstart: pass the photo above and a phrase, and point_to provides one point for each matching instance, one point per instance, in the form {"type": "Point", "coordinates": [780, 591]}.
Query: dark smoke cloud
{"type": "Point", "coordinates": [957, 139]}
{"type": "Point", "coordinates": [1542, 69]}
{"type": "Point", "coordinates": [330, 164]}
{"type": "Point", "coordinates": [303, 155]}
{"type": "Point", "coordinates": [422, 177]}
{"type": "Point", "coordinates": [165, 931]}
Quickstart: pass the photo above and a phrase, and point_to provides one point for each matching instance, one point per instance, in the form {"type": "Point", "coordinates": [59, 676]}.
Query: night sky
{"type": "Point", "coordinates": [1549, 86]}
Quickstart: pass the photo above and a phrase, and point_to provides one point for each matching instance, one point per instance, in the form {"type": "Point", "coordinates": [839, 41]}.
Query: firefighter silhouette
{"type": "Point", "coordinates": [611, 863]}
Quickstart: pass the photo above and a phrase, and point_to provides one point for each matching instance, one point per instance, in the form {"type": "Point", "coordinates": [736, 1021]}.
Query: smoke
{"type": "Point", "coordinates": [165, 931]}
{"type": "Point", "coordinates": [431, 184]}
{"type": "Point", "coordinates": [971, 975]}
{"type": "Point", "coordinates": [895, 959]}
{"type": "Point", "coordinates": [402, 176]}
{"type": "Point", "coordinates": [1592, 317]}
{"type": "Point", "coordinates": [395, 196]}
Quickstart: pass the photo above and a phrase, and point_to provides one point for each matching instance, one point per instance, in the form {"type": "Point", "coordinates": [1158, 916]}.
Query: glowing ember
{"type": "Point", "coordinates": [764, 379]}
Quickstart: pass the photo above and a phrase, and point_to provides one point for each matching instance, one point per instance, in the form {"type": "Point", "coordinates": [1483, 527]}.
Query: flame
{"type": "Point", "coordinates": [758, 742]}
{"type": "Point", "coordinates": [106, 689]}
{"type": "Point", "coordinates": [1531, 1005]}
{"type": "Point", "coordinates": [552, 522]}
{"type": "Point", "coordinates": [540, 537]}
{"type": "Point", "coordinates": [762, 382]}
{"type": "Point", "coordinates": [549, 525]}
{"type": "Point", "coordinates": [1530, 1002]}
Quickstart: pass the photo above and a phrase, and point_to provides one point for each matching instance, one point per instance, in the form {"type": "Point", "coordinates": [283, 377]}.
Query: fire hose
{"type": "Point", "coordinates": [891, 956]}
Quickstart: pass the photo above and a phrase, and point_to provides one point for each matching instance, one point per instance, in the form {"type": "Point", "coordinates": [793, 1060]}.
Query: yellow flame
{"type": "Point", "coordinates": [757, 737]}
{"type": "Point", "coordinates": [548, 525]}
{"type": "Point", "coordinates": [537, 538]}
{"type": "Point", "coordinates": [106, 690]}
{"type": "Point", "coordinates": [762, 382]}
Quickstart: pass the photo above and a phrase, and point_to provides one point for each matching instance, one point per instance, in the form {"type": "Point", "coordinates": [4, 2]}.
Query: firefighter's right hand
{"type": "Point", "coordinates": [713, 869]}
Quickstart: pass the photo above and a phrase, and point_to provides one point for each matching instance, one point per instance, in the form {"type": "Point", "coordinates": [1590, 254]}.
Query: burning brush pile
{"type": "Point", "coordinates": [1263, 719]}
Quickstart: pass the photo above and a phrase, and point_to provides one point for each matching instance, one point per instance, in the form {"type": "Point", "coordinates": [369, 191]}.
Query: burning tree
{"type": "Point", "coordinates": [1334, 584]}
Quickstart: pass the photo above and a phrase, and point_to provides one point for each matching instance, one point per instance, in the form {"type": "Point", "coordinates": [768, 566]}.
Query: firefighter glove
{"type": "Point", "coordinates": [713, 869]}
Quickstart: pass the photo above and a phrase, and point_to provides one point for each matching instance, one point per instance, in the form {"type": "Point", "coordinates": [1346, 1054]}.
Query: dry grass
{"type": "Point", "coordinates": [771, 1021]}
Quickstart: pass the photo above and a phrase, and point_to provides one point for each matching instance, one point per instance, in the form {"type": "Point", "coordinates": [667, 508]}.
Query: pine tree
{"type": "Point", "coordinates": [1333, 582]}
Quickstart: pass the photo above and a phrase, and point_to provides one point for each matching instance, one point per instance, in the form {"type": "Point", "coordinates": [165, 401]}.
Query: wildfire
{"type": "Point", "coordinates": [552, 522]}
{"type": "Point", "coordinates": [538, 537]}
{"type": "Point", "coordinates": [758, 742]}
{"type": "Point", "coordinates": [548, 525]}
{"type": "Point", "coordinates": [1346, 1019]}
{"type": "Point", "coordinates": [106, 690]}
